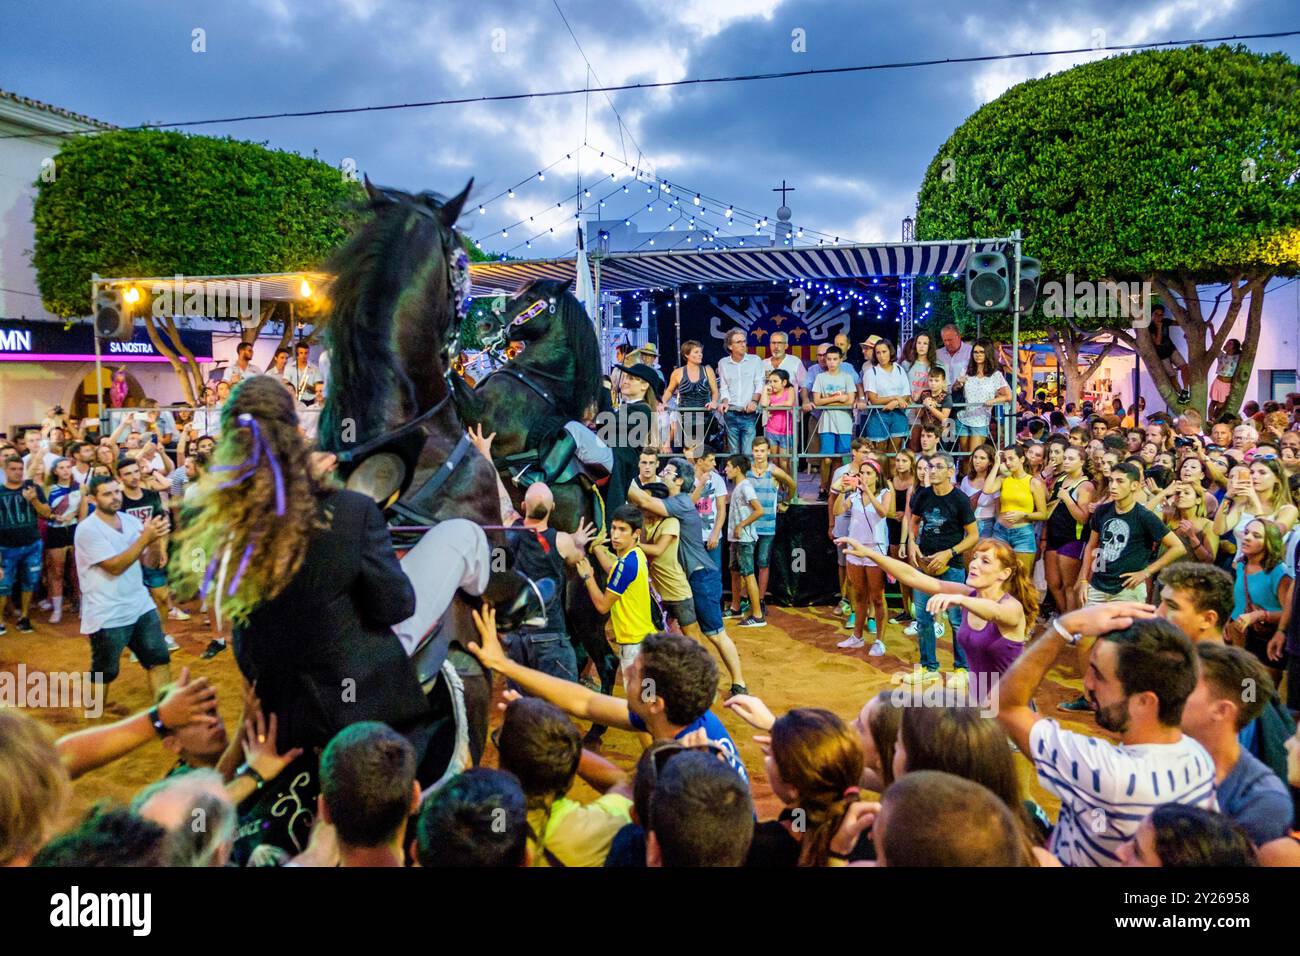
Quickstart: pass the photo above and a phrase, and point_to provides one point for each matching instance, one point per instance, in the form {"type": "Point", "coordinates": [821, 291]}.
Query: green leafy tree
{"type": "Point", "coordinates": [153, 203]}
{"type": "Point", "coordinates": [1174, 167]}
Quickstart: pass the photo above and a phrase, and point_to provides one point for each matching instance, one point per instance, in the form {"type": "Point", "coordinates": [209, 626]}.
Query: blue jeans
{"type": "Point", "coordinates": [22, 568]}
{"type": "Point", "coordinates": [715, 555]}
{"type": "Point", "coordinates": [706, 591]}
{"type": "Point", "coordinates": [144, 637]}
{"type": "Point", "coordinates": [741, 427]}
{"type": "Point", "coordinates": [1020, 538]}
{"type": "Point", "coordinates": [550, 652]}
{"type": "Point", "coordinates": [925, 625]}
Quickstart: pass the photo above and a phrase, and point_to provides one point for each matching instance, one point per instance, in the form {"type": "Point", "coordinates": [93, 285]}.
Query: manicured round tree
{"type": "Point", "coordinates": [1176, 167]}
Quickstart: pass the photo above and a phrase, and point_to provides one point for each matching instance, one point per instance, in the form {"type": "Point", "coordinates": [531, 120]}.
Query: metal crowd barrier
{"type": "Point", "coordinates": [1001, 426]}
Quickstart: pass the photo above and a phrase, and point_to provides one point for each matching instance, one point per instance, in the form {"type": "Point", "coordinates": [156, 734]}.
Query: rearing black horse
{"type": "Point", "coordinates": [401, 287]}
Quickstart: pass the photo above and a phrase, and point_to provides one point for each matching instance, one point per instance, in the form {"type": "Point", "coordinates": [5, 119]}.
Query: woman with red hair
{"type": "Point", "coordinates": [998, 602]}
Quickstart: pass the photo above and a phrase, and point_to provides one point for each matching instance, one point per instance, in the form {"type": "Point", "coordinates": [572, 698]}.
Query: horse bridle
{"type": "Point", "coordinates": [498, 343]}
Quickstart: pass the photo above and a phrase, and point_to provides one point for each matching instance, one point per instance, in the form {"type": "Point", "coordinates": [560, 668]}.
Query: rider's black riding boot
{"type": "Point", "coordinates": [518, 599]}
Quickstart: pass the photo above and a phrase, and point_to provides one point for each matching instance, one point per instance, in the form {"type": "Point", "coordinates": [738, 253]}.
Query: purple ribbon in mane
{"type": "Point", "coordinates": [246, 471]}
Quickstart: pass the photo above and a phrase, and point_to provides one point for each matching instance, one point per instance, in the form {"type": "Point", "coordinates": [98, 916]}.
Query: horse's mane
{"type": "Point", "coordinates": [389, 268]}
{"type": "Point", "coordinates": [579, 340]}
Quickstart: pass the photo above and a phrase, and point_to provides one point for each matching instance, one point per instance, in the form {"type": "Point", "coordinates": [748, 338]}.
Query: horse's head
{"type": "Point", "coordinates": [559, 337]}
{"type": "Point", "coordinates": [531, 314]}
{"type": "Point", "coordinates": [400, 293]}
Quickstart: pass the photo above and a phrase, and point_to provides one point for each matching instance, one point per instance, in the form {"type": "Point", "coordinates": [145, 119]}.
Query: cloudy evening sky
{"type": "Point", "coordinates": [854, 146]}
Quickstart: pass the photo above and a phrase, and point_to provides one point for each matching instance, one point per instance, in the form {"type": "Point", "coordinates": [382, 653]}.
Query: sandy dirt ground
{"type": "Point", "coordinates": [792, 662]}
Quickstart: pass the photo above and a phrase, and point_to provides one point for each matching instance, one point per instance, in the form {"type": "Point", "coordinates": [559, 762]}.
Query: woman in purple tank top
{"type": "Point", "coordinates": [998, 602]}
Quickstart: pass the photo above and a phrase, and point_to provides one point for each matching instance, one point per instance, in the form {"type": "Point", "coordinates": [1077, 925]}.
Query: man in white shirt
{"type": "Point", "coordinates": [1139, 678]}
{"type": "Point", "coordinates": [117, 610]}
{"type": "Point", "coordinates": [740, 386]}
{"type": "Point", "coordinates": [82, 454]}
{"type": "Point", "coordinates": [207, 419]}
{"type": "Point", "coordinates": [778, 344]}
{"type": "Point", "coordinates": [955, 354]}
{"type": "Point", "coordinates": [301, 374]}
{"type": "Point", "coordinates": [243, 367]}
{"type": "Point", "coordinates": [49, 449]}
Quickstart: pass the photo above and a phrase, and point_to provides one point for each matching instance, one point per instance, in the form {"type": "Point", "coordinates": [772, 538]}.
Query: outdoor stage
{"type": "Point", "coordinates": [792, 662]}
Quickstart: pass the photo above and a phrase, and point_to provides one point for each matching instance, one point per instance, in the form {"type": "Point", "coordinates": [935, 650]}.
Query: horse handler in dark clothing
{"type": "Point", "coordinates": [538, 551]}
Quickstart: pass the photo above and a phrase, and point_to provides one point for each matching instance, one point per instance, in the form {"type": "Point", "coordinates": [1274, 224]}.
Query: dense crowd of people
{"type": "Point", "coordinates": [1157, 557]}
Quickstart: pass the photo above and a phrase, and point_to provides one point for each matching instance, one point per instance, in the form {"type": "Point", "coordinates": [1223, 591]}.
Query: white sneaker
{"type": "Point", "coordinates": [45, 605]}
{"type": "Point", "coordinates": [877, 649]}
{"type": "Point", "coordinates": [171, 643]}
{"type": "Point", "coordinates": [910, 630]}
{"type": "Point", "coordinates": [176, 614]}
{"type": "Point", "coordinates": [852, 642]}
{"type": "Point", "coordinates": [57, 616]}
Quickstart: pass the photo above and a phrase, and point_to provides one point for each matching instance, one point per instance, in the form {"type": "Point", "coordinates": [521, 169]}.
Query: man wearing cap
{"type": "Point", "coordinates": [647, 354]}
{"type": "Point", "coordinates": [740, 385]}
{"type": "Point", "coordinates": [634, 427]}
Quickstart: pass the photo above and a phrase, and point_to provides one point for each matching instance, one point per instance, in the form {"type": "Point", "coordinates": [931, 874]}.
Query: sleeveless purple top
{"type": "Point", "coordinates": [987, 651]}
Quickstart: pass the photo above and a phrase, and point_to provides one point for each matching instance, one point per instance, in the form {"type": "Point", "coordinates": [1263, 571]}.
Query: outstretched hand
{"type": "Point", "coordinates": [488, 650]}
{"type": "Point", "coordinates": [751, 710]}
{"type": "Point", "coordinates": [480, 441]}
{"type": "Point", "coordinates": [857, 549]}
{"type": "Point", "coordinates": [260, 751]}
{"type": "Point", "coordinates": [188, 702]}
{"type": "Point", "coordinates": [1104, 618]}
{"type": "Point", "coordinates": [585, 534]}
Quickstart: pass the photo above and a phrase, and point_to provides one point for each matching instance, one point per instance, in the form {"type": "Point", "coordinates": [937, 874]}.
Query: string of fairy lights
{"type": "Point", "coordinates": [862, 297]}
{"type": "Point", "coordinates": [693, 209]}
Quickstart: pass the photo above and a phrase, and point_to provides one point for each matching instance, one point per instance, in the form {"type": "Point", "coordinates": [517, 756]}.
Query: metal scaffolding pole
{"type": "Point", "coordinates": [1015, 340]}
{"type": "Point", "coordinates": [906, 305]}
{"type": "Point", "coordinates": [677, 319]}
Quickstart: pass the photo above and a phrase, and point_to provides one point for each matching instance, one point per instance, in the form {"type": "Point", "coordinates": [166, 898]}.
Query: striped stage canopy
{"type": "Point", "coordinates": [630, 271]}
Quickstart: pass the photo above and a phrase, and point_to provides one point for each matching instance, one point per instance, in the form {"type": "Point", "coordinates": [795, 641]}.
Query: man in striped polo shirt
{"type": "Point", "coordinates": [1139, 676]}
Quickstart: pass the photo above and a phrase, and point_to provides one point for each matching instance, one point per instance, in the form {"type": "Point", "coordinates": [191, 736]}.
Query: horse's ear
{"type": "Point", "coordinates": [451, 209]}
{"type": "Point", "coordinates": [565, 286]}
{"type": "Point", "coordinates": [376, 193]}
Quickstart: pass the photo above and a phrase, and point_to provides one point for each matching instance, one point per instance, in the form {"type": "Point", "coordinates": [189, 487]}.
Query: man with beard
{"type": "Point", "coordinates": [539, 551]}
{"type": "Point", "coordinates": [117, 611]}
{"type": "Point", "coordinates": [1140, 674]}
